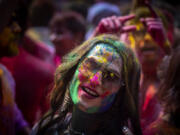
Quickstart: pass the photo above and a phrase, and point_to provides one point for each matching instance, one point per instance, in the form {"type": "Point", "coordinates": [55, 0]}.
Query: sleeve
{"type": "Point", "coordinates": [20, 123]}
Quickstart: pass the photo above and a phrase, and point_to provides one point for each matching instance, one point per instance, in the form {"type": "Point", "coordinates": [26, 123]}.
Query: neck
{"type": "Point", "coordinates": [84, 122]}
{"type": "Point", "coordinates": [149, 73]}
{"type": "Point", "coordinates": [149, 76]}
{"type": "Point", "coordinates": [93, 124]}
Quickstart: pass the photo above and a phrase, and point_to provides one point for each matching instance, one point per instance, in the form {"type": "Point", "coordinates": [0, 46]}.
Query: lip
{"type": "Point", "coordinates": [88, 92]}
{"type": "Point", "coordinates": [149, 50]}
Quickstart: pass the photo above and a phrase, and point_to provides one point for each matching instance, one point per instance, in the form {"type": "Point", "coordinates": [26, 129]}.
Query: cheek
{"type": "Point", "coordinates": [84, 75]}
{"type": "Point", "coordinates": [108, 96]}
{"type": "Point", "coordinates": [81, 76]}
{"type": "Point", "coordinates": [111, 88]}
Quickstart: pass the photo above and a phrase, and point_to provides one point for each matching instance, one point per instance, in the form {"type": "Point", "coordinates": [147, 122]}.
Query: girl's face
{"type": "Point", "coordinates": [97, 79]}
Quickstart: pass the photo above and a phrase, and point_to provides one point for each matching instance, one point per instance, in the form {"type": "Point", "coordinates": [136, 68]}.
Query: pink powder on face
{"type": "Point", "coordinates": [95, 80]}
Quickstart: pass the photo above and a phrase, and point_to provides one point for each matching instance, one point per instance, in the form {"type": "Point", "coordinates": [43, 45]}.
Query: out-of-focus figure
{"type": "Point", "coordinates": [33, 76]}
{"type": "Point", "coordinates": [67, 30]}
{"type": "Point", "coordinates": [169, 94]}
{"type": "Point", "coordinates": [12, 121]}
{"type": "Point", "coordinates": [99, 11]}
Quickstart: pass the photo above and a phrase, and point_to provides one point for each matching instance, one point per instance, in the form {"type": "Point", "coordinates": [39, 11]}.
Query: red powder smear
{"type": "Point", "coordinates": [149, 95]}
{"type": "Point", "coordinates": [105, 94]}
{"type": "Point", "coordinates": [81, 77]}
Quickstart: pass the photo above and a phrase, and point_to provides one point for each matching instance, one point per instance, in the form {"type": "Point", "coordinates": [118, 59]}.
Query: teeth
{"type": "Point", "coordinates": [90, 92]}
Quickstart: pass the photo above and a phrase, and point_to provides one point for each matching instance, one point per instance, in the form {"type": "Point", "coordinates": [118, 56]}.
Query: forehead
{"type": "Point", "coordinates": [106, 55]}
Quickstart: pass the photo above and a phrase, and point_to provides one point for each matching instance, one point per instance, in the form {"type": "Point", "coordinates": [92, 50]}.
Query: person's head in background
{"type": "Point", "coordinates": [99, 11]}
{"type": "Point", "coordinates": [67, 30]}
{"type": "Point", "coordinates": [149, 51]}
{"type": "Point", "coordinates": [13, 26]}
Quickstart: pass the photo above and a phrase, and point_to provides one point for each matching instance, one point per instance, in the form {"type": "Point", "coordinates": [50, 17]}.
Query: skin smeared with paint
{"type": "Point", "coordinates": [97, 79]}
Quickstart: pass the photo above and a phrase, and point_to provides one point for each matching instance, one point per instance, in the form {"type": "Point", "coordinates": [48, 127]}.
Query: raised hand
{"type": "Point", "coordinates": [114, 25]}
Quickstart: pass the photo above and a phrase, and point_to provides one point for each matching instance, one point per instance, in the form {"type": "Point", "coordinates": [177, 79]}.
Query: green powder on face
{"type": "Point", "coordinates": [74, 88]}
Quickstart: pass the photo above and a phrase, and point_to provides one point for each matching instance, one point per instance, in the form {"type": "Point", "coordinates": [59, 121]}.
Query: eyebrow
{"type": "Point", "coordinates": [114, 71]}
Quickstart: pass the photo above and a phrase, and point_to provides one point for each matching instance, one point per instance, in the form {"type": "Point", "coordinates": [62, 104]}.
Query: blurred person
{"type": "Point", "coordinates": [12, 121]}
{"type": "Point", "coordinates": [33, 76]}
{"type": "Point", "coordinates": [152, 41]}
{"type": "Point", "coordinates": [37, 35]}
{"type": "Point", "coordinates": [95, 91]}
{"type": "Point", "coordinates": [67, 30]}
{"type": "Point", "coordinates": [98, 11]}
{"type": "Point", "coordinates": [169, 94]}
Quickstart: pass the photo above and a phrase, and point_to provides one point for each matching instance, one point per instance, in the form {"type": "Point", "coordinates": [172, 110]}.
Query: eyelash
{"type": "Point", "coordinates": [109, 76]}
{"type": "Point", "coordinates": [106, 75]}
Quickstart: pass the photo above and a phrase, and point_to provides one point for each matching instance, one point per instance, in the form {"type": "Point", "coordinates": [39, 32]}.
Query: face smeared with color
{"type": "Point", "coordinates": [9, 38]}
{"type": "Point", "coordinates": [148, 52]}
{"type": "Point", "coordinates": [97, 79]}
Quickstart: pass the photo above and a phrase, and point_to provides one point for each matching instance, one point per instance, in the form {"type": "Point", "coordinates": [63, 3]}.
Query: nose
{"type": "Point", "coordinates": [52, 37]}
{"type": "Point", "coordinates": [147, 37]}
{"type": "Point", "coordinates": [56, 37]}
{"type": "Point", "coordinates": [95, 80]}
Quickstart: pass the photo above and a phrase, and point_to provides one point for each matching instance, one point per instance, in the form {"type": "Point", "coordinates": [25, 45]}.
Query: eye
{"type": "Point", "coordinates": [91, 64]}
{"type": "Point", "coordinates": [109, 76]}
{"type": "Point", "coordinates": [139, 33]}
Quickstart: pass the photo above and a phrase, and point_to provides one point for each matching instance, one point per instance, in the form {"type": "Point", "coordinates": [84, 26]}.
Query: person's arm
{"type": "Point", "coordinates": [21, 126]}
{"type": "Point", "coordinates": [114, 25]}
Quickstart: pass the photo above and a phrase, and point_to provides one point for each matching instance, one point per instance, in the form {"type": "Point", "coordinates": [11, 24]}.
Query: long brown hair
{"type": "Point", "coordinates": [169, 92]}
{"type": "Point", "coordinates": [61, 102]}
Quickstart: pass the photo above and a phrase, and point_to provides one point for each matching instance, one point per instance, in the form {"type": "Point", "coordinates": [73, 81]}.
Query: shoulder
{"type": "Point", "coordinates": [161, 127]}
{"type": "Point", "coordinates": [7, 79]}
{"type": "Point", "coordinates": [54, 129]}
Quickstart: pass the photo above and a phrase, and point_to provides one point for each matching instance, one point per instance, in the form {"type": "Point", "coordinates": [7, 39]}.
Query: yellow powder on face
{"type": "Point", "coordinates": [132, 41]}
{"type": "Point", "coordinates": [139, 26]}
{"type": "Point", "coordinates": [5, 36]}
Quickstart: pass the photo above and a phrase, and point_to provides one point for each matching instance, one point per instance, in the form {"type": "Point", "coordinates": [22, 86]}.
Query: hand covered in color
{"type": "Point", "coordinates": [156, 29]}
{"type": "Point", "coordinates": [113, 25]}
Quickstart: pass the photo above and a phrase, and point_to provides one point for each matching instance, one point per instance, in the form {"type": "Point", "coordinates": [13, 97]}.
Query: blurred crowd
{"type": "Point", "coordinates": [35, 35]}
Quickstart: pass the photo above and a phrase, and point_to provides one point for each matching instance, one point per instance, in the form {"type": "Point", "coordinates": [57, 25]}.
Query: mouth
{"type": "Point", "coordinates": [90, 92]}
{"type": "Point", "coordinates": [148, 49]}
